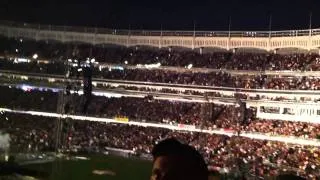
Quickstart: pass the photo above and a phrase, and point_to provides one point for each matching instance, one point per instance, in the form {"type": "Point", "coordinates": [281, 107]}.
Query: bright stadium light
{"type": "Point", "coordinates": [35, 56]}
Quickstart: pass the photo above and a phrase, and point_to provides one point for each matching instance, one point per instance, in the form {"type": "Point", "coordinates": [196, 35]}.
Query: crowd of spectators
{"type": "Point", "coordinates": [285, 128]}
{"type": "Point", "coordinates": [57, 55]}
{"type": "Point", "coordinates": [167, 57]}
{"type": "Point", "coordinates": [28, 133]}
{"type": "Point", "coordinates": [205, 116]}
{"type": "Point", "coordinates": [230, 154]}
{"type": "Point", "coordinates": [234, 154]}
{"type": "Point", "coordinates": [145, 109]}
{"type": "Point", "coordinates": [28, 99]}
{"type": "Point", "coordinates": [156, 91]}
{"type": "Point", "coordinates": [301, 83]}
{"type": "Point", "coordinates": [217, 79]}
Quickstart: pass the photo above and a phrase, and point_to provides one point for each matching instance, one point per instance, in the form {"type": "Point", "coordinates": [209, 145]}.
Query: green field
{"type": "Point", "coordinates": [124, 168]}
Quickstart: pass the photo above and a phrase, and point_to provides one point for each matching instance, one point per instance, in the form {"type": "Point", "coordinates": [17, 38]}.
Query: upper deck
{"type": "Point", "coordinates": [308, 39]}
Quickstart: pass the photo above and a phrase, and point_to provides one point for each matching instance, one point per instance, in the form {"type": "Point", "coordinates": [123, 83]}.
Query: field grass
{"type": "Point", "coordinates": [124, 168]}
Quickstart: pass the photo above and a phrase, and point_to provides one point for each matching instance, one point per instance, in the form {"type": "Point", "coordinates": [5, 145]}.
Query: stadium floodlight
{"type": "Point", "coordinates": [125, 62]}
{"type": "Point", "coordinates": [35, 56]}
{"type": "Point", "coordinates": [189, 66]}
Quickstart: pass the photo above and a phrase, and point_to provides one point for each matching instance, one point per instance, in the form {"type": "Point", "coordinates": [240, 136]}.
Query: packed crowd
{"type": "Point", "coordinates": [233, 154]}
{"type": "Point", "coordinates": [56, 56]}
{"type": "Point", "coordinates": [205, 116]}
{"type": "Point", "coordinates": [155, 90]}
{"type": "Point", "coordinates": [33, 67]}
{"type": "Point", "coordinates": [167, 57]}
{"type": "Point", "coordinates": [286, 128]}
{"type": "Point", "coordinates": [28, 99]}
{"type": "Point", "coordinates": [28, 133]}
{"type": "Point", "coordinates": [230, 154]}
{"type": "Point", "coordinates": [217, 79]}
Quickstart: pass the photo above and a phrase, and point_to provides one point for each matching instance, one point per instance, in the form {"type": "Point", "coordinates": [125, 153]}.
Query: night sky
{"type": "Point", "coordinates": [171, 14]}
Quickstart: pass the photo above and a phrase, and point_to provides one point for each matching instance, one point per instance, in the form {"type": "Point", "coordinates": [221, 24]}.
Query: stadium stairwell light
{"type": "Point", "coordinates": [35, 56]}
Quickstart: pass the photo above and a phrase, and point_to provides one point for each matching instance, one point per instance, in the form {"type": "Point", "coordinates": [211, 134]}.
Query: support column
{"type": "Point", "coordinates": [193, 43]}
{"type": "Point", "coordinates": [228, 42]}
{"type": "Point", "coordinates": [160, 39]}
{"type": "Point", "coordinates": [310, 39]}
{"type": "Point", "coordinates": [201, 50]}
{"type": "Point", "coordinates": [269, 43]}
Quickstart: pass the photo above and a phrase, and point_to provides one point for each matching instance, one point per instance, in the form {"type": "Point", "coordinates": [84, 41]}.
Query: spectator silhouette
{"type": "Point", "coordinates": [289, 176]}
{"type": "Point", "coordinates": [176, 161]}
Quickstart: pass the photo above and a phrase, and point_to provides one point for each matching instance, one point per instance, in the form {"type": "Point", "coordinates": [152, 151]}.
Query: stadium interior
{"type": "Point", "coordinates": [251, 114]}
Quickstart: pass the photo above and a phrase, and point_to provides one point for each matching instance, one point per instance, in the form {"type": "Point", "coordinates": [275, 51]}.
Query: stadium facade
{"type": "Point", "coordinates": [306, 40]}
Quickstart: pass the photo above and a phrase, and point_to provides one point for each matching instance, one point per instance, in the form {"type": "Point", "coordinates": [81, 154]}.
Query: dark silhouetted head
{"type": "Point", "coordinates": [289, 176]}
{"type": "Point", "coordinates": [174, 161]}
